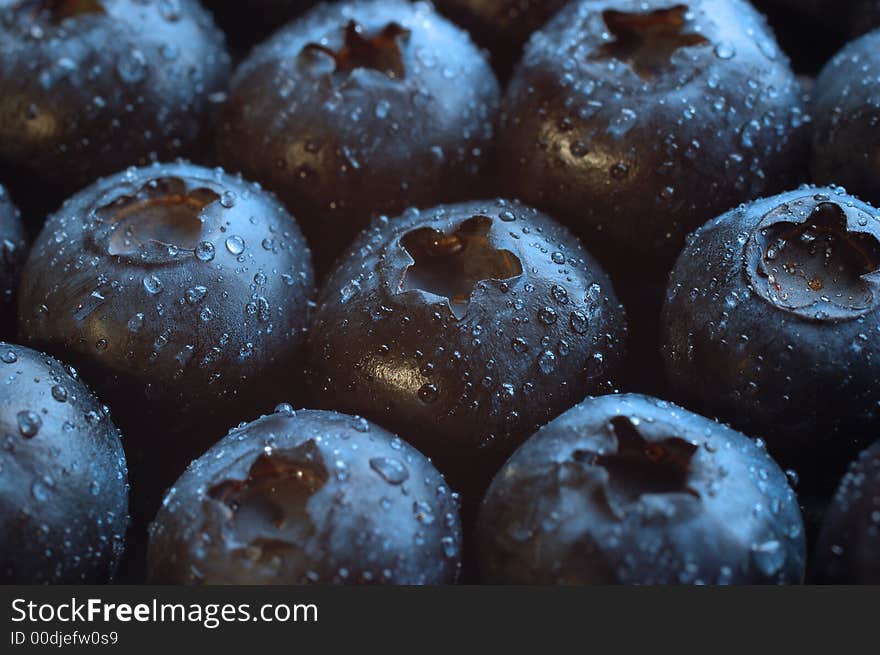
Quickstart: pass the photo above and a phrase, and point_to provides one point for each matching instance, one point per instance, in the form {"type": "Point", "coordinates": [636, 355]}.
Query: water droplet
{"type": "Point", "coordinates": [205, 251]}
{"type": "Point", "coordinates": [195, 295]}
{"type": "Point", "coordinates": [578, 149]}
{"type": "Point", "coordinates": [29, 423]}
{"type": "Point", "coordinates": [547, 362]}
{"type": "Point", "coordinates": [40, 491]}
{"type": "Point", "coordinates": [725, 50]}
{"type": "Point", "coordinates": [547, 315]}
{"type": "Point", "coordinates": [136, 322]}
{"type": "Point", "coordinates": [428, 393]}
{"type": "Point", "coordinates": [152, 284]}
{"type": "Point", "coordinates": [59, 393]}
{"type": "Point", "coordinates": [228, 199]}
{"type": "Point", "coordinates": [382, 109]}
{"type": "Point", "coordinates": [235, 245]}
{"type": "Point", "coordinates": [132, 66]}
{"type": "Point", "coordinates": [285, 409]}
{"type": "Point", "coordinates": [393, 471]}
{"type": "Point", "coordinates": [579, 323]}
{"type": "Point", "coordinates": [423, 512]}
{"type": "Point", "coordinates": [559, 294]}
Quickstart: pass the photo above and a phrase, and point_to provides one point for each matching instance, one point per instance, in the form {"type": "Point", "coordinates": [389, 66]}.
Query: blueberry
{"type": "Point", "coordinates": [848, 551]}
{"type": "Point", "coordinates": [307, 497]}
{"type": "Point", "coordinates": [770, 320]}
{"type": "Point", "coordinates": [633, 490]}
{"type": "Point", "coordinates": [182, 293]}
{"type": "Point", "coordinates": [635, 122]}
{"type": "Point", "coordinates": [361, 108]}
{"type": "Point", "coordinates": [464, 328]}
{"type": "Point", "coordinates": [88, 87]}
{"type": "Point", "coordinates": [63, 477]}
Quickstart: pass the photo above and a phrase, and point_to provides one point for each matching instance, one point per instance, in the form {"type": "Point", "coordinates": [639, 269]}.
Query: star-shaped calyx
{"type": "Point", "coordinates": [163, 214]}
{"type": "Point", "coordinates": [641, 466]}
{"type": "Point", "coordinates": [451, 265]}
{"type": "Point", "coordinates": [817, 259]}
{"type": "Point", "coordinates": [269, 505]}
{"type": "Point", "coordinates": [381, 51]}
{"type": "Point", "coordinates": [646, 41]}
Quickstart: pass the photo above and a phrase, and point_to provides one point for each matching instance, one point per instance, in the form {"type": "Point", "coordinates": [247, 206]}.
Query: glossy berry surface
{"type": "Point", "coordinates": [632, 490]}
{"type": "Point", "coordinates": [182, 293]}
{"type": "Point", "coordinates": [88, 87]}
{"type": "Point", "coordinates": [463, 328]}
{"type": "Point", "coordinates": [769, 320]}
{"type": "Point", "coordinates": [502, 26]}
{"type": "Point", "coordinates": [307, 497]}
{"type": "Point", "coordinates": [634, 122]}
{"type": "Point", "coordinates": [846, 139]}
{"type": "Point", "coordinates": [63, 479]}
{"type": "Point", "coordinates": [12, 253]}
{"type": "Point", "coordinates": [358, 109]}
{"type": "Point", "coordinates": [848, 551]}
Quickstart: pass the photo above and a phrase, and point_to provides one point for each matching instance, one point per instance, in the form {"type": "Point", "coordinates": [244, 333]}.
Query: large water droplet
{"type": "Point", "coordinates": [59, 393]}
{"type": "Point", "coordinates": [235, 245]}
{"type": "Point", "coordinates": [725, 50]}
{"type": "Point", "coordinates": [152, 284]}
{"type": "Point", "coordinates": [393, 471]}
{"type": "Point", "coordinates": [205, 251]}
{"type": "Point", "coordinates": [29, 423]}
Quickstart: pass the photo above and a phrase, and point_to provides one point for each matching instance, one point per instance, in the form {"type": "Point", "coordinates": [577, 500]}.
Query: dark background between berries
{"type": "Point", "coordinates": [608, 170]}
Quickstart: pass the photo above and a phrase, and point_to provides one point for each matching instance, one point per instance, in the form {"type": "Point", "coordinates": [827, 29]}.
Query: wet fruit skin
{"type": "Point", "coordinates": [12, 253]}
{"type": "Point", "coordinates": [88, 87]}
{"type": "Point", "coordinates": [358, 109]}
{"type": "Point", "coordinates": [532, 326]}
{"type": "Point", "coordinates": [307, 497]}
{"type": "Point", "coordinates": [183, 294]}
{"type": "Point", "coordinates": [848, 551]}
{"type": "Point", "coordinates": [635, 122]}
{"type": "Point", "coordinates": [63, 488]}
{"type": "Point", "coordinates": [502, 26]}
{"type": "Point", "coordinates": [846, 141]}
{"type": "Point", "coordinates": [769, 320]}
{"type": "Point", "coordinates": [633, 490]}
